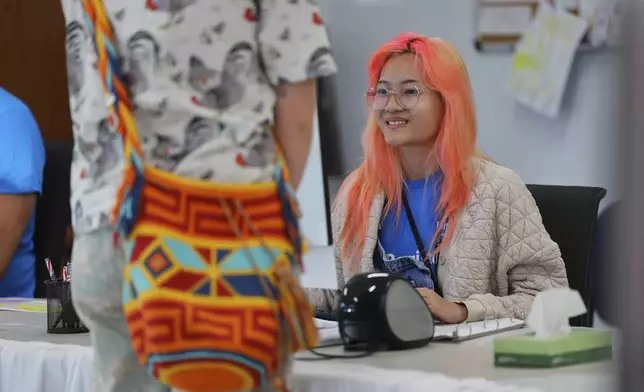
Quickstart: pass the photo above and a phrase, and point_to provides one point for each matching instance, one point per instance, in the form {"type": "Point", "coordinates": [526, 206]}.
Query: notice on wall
{"type": "Point", "coordinates": [543, 59]}
{"type": "Point", "coordinates": [504, 20]}
{"type": "Point", "coordinates": [605, 20]}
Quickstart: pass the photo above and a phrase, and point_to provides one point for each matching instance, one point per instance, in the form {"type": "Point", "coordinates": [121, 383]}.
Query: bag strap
{"type": "Point", "coordinates": [120, 112]}
{"type": "Point", "coordinates": [262, 64]}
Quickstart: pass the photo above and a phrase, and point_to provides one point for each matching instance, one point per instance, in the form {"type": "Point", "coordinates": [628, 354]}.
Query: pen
{"type": "Point", "coordinates": [50, 269]}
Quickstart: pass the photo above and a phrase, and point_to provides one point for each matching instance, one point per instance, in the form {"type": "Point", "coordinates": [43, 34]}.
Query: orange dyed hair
{"type": "Point", "coordinates": [444, 71]}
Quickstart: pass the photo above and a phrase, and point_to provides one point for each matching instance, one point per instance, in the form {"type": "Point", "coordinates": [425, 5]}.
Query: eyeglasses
{"type": "Point", "coordinates": [377, 98]}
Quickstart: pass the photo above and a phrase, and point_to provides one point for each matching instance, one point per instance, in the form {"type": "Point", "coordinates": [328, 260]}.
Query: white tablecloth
{"type": "Point", "coordinates": [32, 360]}
{"type": "Point", "coordinates": [37, 366]}
{"type": "Point", "coordinates": [44, 367]}
{"type": "Point", "coordinates": [347, 377]}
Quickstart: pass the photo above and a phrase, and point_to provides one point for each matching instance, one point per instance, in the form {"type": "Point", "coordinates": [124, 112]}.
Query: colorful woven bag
{"type": "Point", "coordinates": [206, 310]}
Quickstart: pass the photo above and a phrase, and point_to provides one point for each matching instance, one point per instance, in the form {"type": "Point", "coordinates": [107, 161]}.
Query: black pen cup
{"type": "Point", "coordinates": [61, 315]}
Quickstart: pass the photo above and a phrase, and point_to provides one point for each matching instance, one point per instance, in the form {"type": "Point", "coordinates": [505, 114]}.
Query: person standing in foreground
{"type": "Point", "coordinates": [208, 79]}
{"type": "Point", "coordinates": [22, 158]}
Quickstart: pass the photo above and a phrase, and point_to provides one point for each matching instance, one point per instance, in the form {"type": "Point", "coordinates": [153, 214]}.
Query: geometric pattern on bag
{"type": "Point", "coordinates": [200, 295]}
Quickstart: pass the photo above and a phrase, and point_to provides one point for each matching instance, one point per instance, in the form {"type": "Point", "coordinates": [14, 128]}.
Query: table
{"type": "Point", "coordinates": [472, 359]}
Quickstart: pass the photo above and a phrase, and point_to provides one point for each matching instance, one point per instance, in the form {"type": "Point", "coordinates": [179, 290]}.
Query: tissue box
{"type": "Point", "coordinates": [581, 346]}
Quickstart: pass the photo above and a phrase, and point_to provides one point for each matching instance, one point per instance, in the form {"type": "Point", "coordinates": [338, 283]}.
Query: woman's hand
{"type": "Point", "coordinates": [446, 311]}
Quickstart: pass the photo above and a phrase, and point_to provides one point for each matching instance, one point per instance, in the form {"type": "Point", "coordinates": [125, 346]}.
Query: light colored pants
{"type": "Point", "coordinates": [96, 286]}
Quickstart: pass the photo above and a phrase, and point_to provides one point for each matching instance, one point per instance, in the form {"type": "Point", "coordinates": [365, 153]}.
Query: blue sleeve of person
{"type": "Point", "coordinates": [22, 154]}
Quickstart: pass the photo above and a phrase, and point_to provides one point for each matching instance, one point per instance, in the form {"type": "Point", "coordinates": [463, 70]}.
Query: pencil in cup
{"type": "Point", "coordinates": [50, 269]}
{"type": "Point", "coordinates": [54, 279]}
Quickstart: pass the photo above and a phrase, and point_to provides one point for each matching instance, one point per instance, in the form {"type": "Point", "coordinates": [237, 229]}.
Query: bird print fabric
{"type": "Point", "coordinates": [202, 75]}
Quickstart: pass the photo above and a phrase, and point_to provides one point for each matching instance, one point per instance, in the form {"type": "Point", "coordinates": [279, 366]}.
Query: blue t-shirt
{"type": "Point", "coordinates": [22, 158]}
{"type": "Point", "coordinates": [397, 250]}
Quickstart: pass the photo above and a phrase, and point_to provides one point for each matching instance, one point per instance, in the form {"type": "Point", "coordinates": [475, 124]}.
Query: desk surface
{"type": "Point", "coordinates": [474, 359]}
{"type": "Point", "coordinates": [36, 331]}
{"type": "Point", "coordinates": [470, 359]}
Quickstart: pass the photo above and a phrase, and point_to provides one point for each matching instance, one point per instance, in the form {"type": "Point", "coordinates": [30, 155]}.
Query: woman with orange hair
{"type": "Point", "coordinates": [425, 205]}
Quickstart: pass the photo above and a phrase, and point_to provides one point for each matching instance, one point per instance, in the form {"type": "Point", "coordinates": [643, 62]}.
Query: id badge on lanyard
{"type": "Point", "coordinates": [433, 260]}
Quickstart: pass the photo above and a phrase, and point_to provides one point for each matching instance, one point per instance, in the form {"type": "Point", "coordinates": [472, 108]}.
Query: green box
{"type": "Point", "coordinates": [583, 345]}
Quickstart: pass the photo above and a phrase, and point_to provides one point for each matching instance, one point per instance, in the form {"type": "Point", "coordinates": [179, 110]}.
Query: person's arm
{"type": "Point", "coordinates": [326, 300]}
{"type": "Point", "coordinates": [294, 125]}
{"type": "Point", "coordinates": [529, 261]}
{"type": "Point", "coordinates": [22, 158]}
{"type": "Point", "coordinates": [293, 65]}
{"type": "Point", "coordinates": [16, 211]}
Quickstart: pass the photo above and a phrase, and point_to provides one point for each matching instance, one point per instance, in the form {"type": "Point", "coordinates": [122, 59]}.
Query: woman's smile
{"type": "Point", "coordinates": [396, 122]}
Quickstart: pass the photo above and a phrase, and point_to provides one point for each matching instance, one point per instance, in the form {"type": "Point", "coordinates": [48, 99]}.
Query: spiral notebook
{"type": "Point", "coordinates": [478, 329]}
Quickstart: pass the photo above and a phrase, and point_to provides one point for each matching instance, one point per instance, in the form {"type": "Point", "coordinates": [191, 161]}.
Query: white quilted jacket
{"type": "Point", "coordinates": [499, 258]}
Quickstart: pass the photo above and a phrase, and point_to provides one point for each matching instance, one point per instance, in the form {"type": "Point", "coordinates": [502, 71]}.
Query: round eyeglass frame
{"type": "Point", "coordinates": [371, 96]}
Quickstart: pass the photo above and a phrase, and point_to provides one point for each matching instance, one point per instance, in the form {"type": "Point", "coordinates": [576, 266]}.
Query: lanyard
{"type": "Point", "coordinates": [421, 246]}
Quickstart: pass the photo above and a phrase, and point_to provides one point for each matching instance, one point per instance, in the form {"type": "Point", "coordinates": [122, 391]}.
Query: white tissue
{"type": "Point", "coordinates": [551, 311]}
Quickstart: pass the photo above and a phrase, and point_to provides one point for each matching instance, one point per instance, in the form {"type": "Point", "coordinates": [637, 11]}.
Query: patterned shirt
{"type": "Point", "coordinates": [203, 103]}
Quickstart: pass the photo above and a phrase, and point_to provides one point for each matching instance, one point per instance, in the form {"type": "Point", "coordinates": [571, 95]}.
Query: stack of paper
{"type": "Point", "coordinates": [24, 305]}
{"type": "Point", "coordinates": [328, 331]}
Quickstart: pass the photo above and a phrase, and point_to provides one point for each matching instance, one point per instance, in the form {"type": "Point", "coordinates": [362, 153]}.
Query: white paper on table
{"type": "Point", "coordinates": [543, 58]}
{"type": "Point", "coordinates": [328, 331]}
{"type": "Point", "coordinates": [28, 305]}
{"type": "Point", "coordinates": [325, 324]}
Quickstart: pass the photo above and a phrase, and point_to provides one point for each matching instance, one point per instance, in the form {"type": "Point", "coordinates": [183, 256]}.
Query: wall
{"type": "Point", "coordinates": [32, 61]}
{"type": "Point", "coordinates": [575, 149]}
{"type": "Point", "coordinates": [311, 194]}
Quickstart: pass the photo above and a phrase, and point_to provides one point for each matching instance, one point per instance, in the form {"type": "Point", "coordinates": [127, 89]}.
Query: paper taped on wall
{"type": "Point", "coordinates": [543, 58]}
